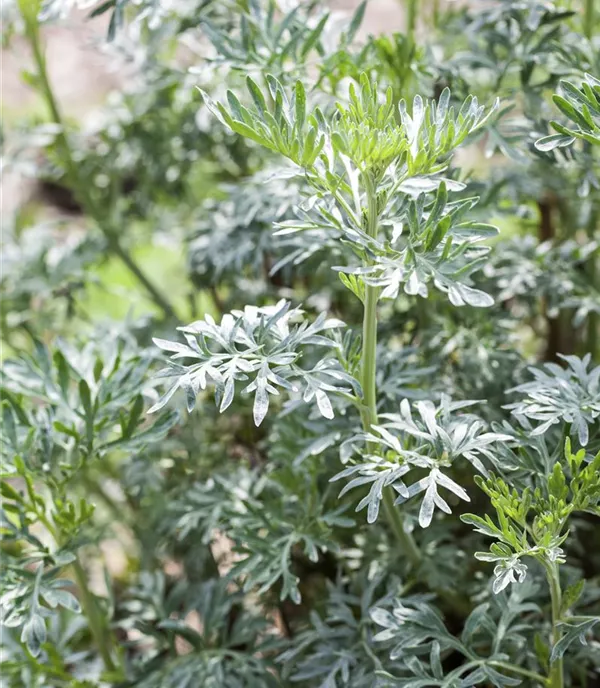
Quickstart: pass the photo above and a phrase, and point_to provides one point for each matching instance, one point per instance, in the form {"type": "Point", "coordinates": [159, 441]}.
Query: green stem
{"type": "Point", "coordinates": [135, 269]}
{"type": "Point", "coordinates": [96, 620]}
{"type": "Point", "coordinates": [369, 334]}
{"type": "Point", "coordinates": [436, 13]}
{"type": "Point", "coordinates": [369, 356]}
{"type": "Point", "coordinates": [412, 10]}
{"type": "Point", "coordinates": [556, 670]}
{"type": "Point", "coordinates": [29, 13]}
{"type": "Point", "coordinates": [588, 18]}
{"type": "Point", "coordinates": [518, 670]}
{"type": "Point", "coordinates": [368, 381]}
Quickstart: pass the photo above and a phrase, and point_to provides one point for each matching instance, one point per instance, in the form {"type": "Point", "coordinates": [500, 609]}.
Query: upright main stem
{"type": "Point", "coordinates": [369, 356]}
{"type": "Point", "coordinates": [556, 670]}
{"type": "Point", "coordinates": [594, 278]}
{"type": "Point", "coordinates": [368, 381]}
{"type": "Point", "coordinates": [29, 11]}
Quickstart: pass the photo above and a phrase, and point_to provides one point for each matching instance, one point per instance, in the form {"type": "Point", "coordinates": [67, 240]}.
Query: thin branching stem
{"type": "Point", "coordinates": [97, 622]}
{"type": "Point", "coordinates": [96, 619]}
{"type": "Point", "coordinates": [29, 13]}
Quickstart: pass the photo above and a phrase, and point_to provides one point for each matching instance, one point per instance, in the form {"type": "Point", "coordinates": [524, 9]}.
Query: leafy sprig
{"type": "Point", "coordinates": [365, 131]}
{"type": "Point", "coordinates": [427, 239]}
{"type": "Point", "coordinates": [259, 345]}
{"type": "Point", "coordinates": [417, 638]}
{"type": "Point", "coordinates": [404, 445]}
{"type": "Point", "coordinates": [532, 523]}
{"type": "Point", "coordinates": [581, 106]}
{"type": "Point", "coordinates": [568, 395]}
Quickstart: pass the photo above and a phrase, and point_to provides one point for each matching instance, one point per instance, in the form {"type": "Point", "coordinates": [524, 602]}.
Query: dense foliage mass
{"type": "Point", "coordinates": [300, 380]}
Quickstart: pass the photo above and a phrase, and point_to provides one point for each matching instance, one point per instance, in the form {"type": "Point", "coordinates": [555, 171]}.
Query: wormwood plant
{"type": "Point", "coordinates": [389, 472]}
{"type": "Point", "coordinates": [376, 182]}
{"type": "Point", "coordinates": [366, 171]}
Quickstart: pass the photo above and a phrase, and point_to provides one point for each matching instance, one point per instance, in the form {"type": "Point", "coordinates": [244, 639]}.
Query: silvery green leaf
{"type": "Point", "coordinates": [165, 398]}
{"type": "Point", "coordinates": [510, 570]}
{"type": "Point", "coordinates": [174, 347]}
{"type": "Point", "coordinates": [261, 401]}
{"type": "Point", "coordinates": [485, 527]}
{"type": "Point", "coordinates": [571, 633]}
{"type": "Point", "coordinates": [57, 597]}
{"type": "Point", "coordinates": [568, 395]}
{"type": "Point", "coordinates": [417, 185]}
{"type": "Point", "coordinates": [261, 346]}
{"type": "Point", "coordinates": [460, 294]}
{"type": "Point", "coordinates": [227, 394]}
{"type": "Point", "coordinates": [488, 557]}
{"type": "Point", "coordinates": [549, 143]}
{"type": "Point", "coordinates": [442, 434]}
{"type": "Point", "coordinates": [427, 411]}
{"type": "Point", "coordinates": [34, 634]}
{"type": "Point", "coordinates": [428, 505]}
{"type": "Point", "coordinates": [449, 484]}
{"type": "Point", "coordinates": [380, 474]}
{"type": "Point", "coordinates": [324, 404]}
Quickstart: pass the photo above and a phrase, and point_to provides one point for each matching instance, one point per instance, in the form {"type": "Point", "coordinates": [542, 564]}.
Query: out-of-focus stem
{"type": "Point", "coordinates": [589, 18]}
{"type": "Point", "coordinates": [29, 11]}
{"type": "Point", "coordinates": [412, 10]}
